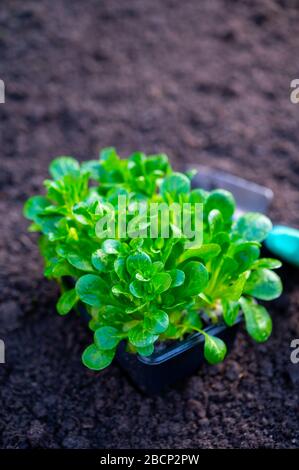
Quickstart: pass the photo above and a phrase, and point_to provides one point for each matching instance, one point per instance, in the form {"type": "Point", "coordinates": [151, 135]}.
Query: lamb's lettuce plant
{"type": "Point", "coordinates": [144, 289]}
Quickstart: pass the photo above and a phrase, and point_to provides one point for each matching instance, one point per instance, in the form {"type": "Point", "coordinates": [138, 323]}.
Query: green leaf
{"type": "Point", "coordinates": [95, 359]}
{"type": "Point", "coordinates": [222, 239]}
{"type": "Point", "coordinates": [111, 246]}
{"type": "Point", "coordinates": [215, 221]}
{"type": "Point", "coordinates": [161, 282]}
{"type": "Point", "coordinates": [109, 155]}
{"type": "Point", "coordinates": [157, 267]}
{"type": "Point", "coordinates": [59, 267]}
{"type": "Point", "coordinates": [79, 262]}
{"type": "Point", "coordinates": [198, 196]}
{"type": "Point", "coordinates": [245, 254]}
{"type": "Point", "coordinates": [137, 288]}
{"type": "Point", "coordinates": [48, 224]}
{"type": "Point", "coordinates": [139, 262]}
{"type": "Point", "coordinates": [205, 252]}
{"type": "Point", "coordinates": [269, 263]}
{"type": "Point", "coordinates": [120, 268]}
{"type": "Point", "coordinates": [234, 289]}
{"type": "Point", "coordinates": [92, 167]}
{"type": "Point", "coordinates": [214, 349]}
{"type": "Point", "coordinates": [253, 226]}
{"type": "Point", "coordinates": [62, 166]}
{"type": "Point", "coordinates": [35, 206]}
{"type": "Point", "coordinates": [99, 261]}
{"type": "Point", "coordinates": [193, 320]}
{"type": "Point", "coordinates": [118, 289]}
{"type": "Point", "coordinates": [229, 267]}
{"type": "Point", "coordinates": [130, 286]}
{"type": "Point", "coordinates": [67, 301]}
{"type": "Point", "coordinates": [257, 319]}
{"type": "Point", "coordinates": [82, 214]}
{"type": "Point", "coordinates": [136, 243]}
{"type": "Point", "coordinates": [147, 351]}
{"type": "Point", "coordinates": [106, 337]}
{"type": "Point", "coordinates": [157, 162]}
{"type": "Point", "coordinates": [178, 277]}
{"type": "Point", "coordinates": [92, 290]}
{"type": "Point", "coordinates": [221, 200]}
{"type": "Point", "coordinates": [263, 284]}
{"type": "Point", "coordinates": [174, 185]}
{"type": "Point", "coordinates": [156, 322]}
{"type": "Point", "coordinates": [230, 311]}
{"type": "Point", "coordinates": [196, 279]}
{"type": "Point", "coordinates": [140, 277]}
{"type": "Point", "coordinates": [140, 337]}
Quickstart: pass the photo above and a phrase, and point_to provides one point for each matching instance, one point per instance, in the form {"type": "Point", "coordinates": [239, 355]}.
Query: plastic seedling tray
{"type": "Point", "coordinates": [172, 365]}
{"type": "Point", "coordinates": [161, 370]}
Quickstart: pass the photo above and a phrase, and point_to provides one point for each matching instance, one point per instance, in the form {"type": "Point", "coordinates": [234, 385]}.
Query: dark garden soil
{"type": "Point", "coordinates": [204, 81]}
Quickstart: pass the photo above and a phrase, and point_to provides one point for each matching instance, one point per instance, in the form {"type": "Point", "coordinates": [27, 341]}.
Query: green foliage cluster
{"type": "Point", "coordinates": [146, 289]}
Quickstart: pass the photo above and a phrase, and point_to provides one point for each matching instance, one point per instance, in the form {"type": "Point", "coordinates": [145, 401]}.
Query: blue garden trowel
{"type": "Point", "coordinates": [282, 241]}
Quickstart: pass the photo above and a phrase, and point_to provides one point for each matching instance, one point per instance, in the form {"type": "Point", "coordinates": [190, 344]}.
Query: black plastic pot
{"type": "Point", "coordinates": [158, 372]}
{"type": "Point", "coordinates": [161, 370]}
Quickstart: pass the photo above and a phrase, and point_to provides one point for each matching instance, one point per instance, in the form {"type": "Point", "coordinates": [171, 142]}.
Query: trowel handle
{"type": "Point", "coordinates": [284, 243]}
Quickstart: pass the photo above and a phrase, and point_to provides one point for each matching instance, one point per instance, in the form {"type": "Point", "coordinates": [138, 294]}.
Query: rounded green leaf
{"type": "Point", "coordinates": [205, 252]}
{"type": "Point", "coordinates": [234, 289]}
{"type": "Point", "coordinates": [193, 320]}
{"type": "Point", "coordinates": [174, 185]}
{"type": "Point", "coordinates": [222, 239]}
{"type": "Point", "coordinates": [196, 279]}
{"type": "Point", "coordinates": [157, 267]}
{"type": "Point", "coordinates": [79, 262]}
{"type": "Point", "coordinates": [156, 322]}
{"type": "Point", "coordinates": [141, 337]}
{"type": "Point", "coordinates": [35, 206]}
{"type": "Point", "coordinates": [109, 154]}
{"type": "Point", "coordinates": [230, 311]}
{"type": "Point", "coordinates": [67, 301]}
{"type": "Point", "coordinates": [263, 284]}
{"type": "Point", "coordinates": [269, 263]}
{"type": "Point", "coordinates": [177, 276]}
{"type": "Point", "coordinates": [156, 163]}
{"type": "Point", "coordinates": [215, 221]}
{"type": "Point", "coordinates": [120, 268]}
{"type": "Point", "coordinates": [198, 195]}
{"type": "Point", "coordinates": [147, 351]}
{"type": "Point", "coordinates": [111, 246]}
{"type": "Point", "coordinates": [106, 337]}
{"type": "Point", "coordinates": [161, 282]}
{"type": "Point", "coordinates": [99, 260]}
{"type": "Point", "coordinates": [95, 359]}
{"type": "Point", "coordinates": [139, 262]}
{"type": "Point", "coordinates": [245, 254]}
{"type": "Point", "coordinates": [253, 226]}
{"type": "Point", "coordinates": [48, 224]}
{"type": "Point", "coordinates": [136, 243]}
{"type": "Point", "coordinates": [137, 288]}
{"type": "Point", "coordinates": [92, 290]}
{"type": "Point", "coordinates": [257, 320]}
{"type": "Point", "coordinates": [214, 349]}
{"type": "Point", "coordinates": [62, 166]}
{"type": "Point", "coordinates": [118, 289]}
{"type": "Point", "coordinates": [221, 200]}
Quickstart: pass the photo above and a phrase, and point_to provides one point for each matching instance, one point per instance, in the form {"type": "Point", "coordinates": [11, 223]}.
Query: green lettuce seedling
{"type": "Point", "coordinates": [148, 289]}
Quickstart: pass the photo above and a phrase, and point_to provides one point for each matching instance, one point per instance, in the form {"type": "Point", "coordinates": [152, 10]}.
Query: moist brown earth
{"type": "Point", "coordinates": [206, 82]}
